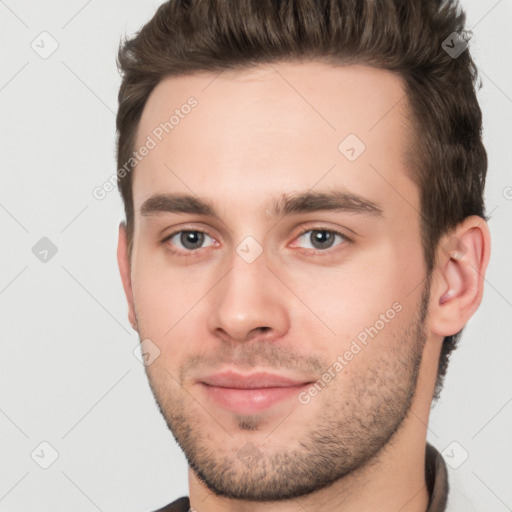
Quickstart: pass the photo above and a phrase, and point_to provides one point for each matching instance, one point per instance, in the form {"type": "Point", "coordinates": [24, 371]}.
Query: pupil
{"type": "Point", "coordinates": [190, 239]}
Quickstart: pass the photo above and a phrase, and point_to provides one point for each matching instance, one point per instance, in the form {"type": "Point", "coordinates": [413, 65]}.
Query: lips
{"type": "Point", "coordinates": [251, 394]}
{"type": "Point", "coordinates": [252, 381]}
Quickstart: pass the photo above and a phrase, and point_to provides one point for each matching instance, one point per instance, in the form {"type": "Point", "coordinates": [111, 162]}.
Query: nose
{"type": "Point", "coordinates": [249, 303]}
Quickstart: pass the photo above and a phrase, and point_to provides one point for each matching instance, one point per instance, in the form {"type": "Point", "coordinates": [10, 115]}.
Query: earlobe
{"type": "Point", "coordinates": [125, 272]}
{"type": "Point", "coordinates": [462, 262]}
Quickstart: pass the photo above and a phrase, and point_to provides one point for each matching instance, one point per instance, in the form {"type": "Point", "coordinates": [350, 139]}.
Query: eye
{"type": "Point", "coordinates": [190, 240]}
{"type": "Point", "coordinates": [320, 239]}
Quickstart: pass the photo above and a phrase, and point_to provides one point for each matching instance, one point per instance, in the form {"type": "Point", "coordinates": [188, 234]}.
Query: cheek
{"type": "Point", "coordinates": [352, 295]}
{"type": "Point", "coordinates": [365, 303]}
{"type": "Point", "coordinates": [163, 280]}
{"type": "Point", "coordinates": [162, 297]}
{"type": "Point", "coordinates": [172, 306]}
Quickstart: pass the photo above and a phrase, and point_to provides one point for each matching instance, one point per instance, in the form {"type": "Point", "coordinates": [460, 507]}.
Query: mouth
{"type": "Point", "coordinates": [251, 394]}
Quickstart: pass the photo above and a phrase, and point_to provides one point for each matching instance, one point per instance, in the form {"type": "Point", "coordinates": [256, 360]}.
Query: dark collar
{"type": "Point", "coordinates": [436, 477]}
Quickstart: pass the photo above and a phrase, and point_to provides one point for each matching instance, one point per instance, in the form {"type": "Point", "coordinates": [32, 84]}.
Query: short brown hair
{"type": "Point", "coordinates": [402, 36]}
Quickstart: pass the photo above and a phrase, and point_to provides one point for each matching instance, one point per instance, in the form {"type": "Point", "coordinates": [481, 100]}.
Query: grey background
{"type": "Point", "coordinates": [68, 374]}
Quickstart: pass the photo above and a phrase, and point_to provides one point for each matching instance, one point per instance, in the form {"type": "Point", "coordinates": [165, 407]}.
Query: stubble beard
{"type": "Point", "coordinates": [357, 421]}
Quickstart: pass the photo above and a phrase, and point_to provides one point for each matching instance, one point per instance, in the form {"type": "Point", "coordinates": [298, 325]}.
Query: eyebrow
{"type": "Point", "coordinates": [288, 204]}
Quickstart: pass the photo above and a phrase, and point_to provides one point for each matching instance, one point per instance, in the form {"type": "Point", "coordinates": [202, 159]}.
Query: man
{"type": "Point", "coordinates": [305, 240]}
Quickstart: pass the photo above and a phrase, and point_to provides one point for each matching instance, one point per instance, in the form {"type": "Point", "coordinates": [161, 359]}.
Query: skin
{"type": "Point", "coordinates": [256, 135]}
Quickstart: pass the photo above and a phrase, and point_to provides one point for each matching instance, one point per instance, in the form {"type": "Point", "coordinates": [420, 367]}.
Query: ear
{"type": "Point", "coordinates": [125, 271]}
{"type": "Point", "coordinates": [458, 280]}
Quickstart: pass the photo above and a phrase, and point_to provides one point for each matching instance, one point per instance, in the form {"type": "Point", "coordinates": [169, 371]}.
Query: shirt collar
{"type": "Point", "coordinates": [436, 477]}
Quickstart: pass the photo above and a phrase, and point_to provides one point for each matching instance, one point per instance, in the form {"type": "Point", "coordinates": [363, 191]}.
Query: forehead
{"type": "Point", "coordinates": [275, 128]}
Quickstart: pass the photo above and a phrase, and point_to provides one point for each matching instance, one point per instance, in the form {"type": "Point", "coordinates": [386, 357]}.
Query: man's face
{"type": "Point", "coordinates": [313, 294]}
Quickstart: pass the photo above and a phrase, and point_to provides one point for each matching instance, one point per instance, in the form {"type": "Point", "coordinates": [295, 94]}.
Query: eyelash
{"type": "Point", "coordinates": [319, 252]}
